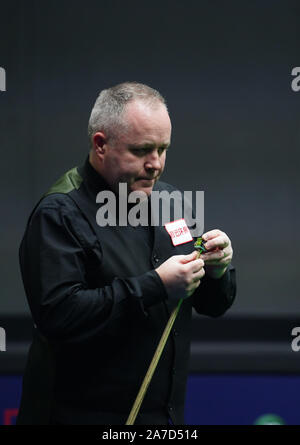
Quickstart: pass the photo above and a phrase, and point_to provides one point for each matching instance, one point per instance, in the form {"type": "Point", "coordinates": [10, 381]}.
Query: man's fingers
{"type": "Point", "coordinates": [191, 288]}
{"type": "Point", "coordinates": [215, 239]}
{"type": "Point", "coordinates": [195, 266]}
{"type": "Point", "coordinates": [198, 275]}
{"type": "Point", "coordinates": [219, 254]}
{"type": "Point", "coordinates": [190, 257]}
{"type": "Point", "coordinates": [222, 262]}
{"type": "Point", "coordinates": [221, 241]}
{"type": "Point", "coordinates": [211, 234]}
{"type": "Point", "coordinates": [218, 261]}
{"type": "Point", "coordinates": [218, 257]}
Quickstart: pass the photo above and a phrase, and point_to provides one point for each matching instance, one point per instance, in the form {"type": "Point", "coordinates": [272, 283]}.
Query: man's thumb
{"type": "Point", "coordinates": [190, 257]}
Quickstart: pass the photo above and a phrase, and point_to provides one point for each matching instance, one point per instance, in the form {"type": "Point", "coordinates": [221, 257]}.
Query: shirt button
{"type": "Point", "coordinates": [170, 408]}
{"type": "Point", "coordinates": [155, 258]}
{"type": "Point", "coordinates": [173, 370]}
{"type": "Point", "coordinates": [175, 333]}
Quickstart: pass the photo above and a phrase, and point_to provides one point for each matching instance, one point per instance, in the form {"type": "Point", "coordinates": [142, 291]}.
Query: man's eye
{"type": "Point", "coordinates": [139, 151]}
{"type": "Point", "coordinates": [144, 151]}
{"type": "Point", "coordinates": [161, 150]}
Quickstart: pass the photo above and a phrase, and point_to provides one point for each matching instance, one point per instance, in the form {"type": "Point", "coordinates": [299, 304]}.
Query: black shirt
{"type": "Point", "coordinates": [100, 308]}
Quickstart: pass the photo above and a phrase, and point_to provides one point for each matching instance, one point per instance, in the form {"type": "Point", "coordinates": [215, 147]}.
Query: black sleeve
{"type": "Point", "coordinates": [214, 296]}
{"type": "Point", "coordinates": [52, 260]}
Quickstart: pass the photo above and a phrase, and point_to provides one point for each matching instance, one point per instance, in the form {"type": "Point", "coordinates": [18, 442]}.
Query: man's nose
{"type": "Point", "coordinates": [153, 161]}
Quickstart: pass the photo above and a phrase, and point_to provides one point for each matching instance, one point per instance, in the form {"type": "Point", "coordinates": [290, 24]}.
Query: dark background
{"type": "Point", "coordinates": [225, 70]}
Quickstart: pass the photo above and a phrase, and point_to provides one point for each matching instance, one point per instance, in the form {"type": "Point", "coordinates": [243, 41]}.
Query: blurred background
{"type": "Point", "coordinates": [225, 70]}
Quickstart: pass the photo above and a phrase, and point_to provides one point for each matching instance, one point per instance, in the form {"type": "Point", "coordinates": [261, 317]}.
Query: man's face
{"type": "Point", "coordinates": [138, 156]}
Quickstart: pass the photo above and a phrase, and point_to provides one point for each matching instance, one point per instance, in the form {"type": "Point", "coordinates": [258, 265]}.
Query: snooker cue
{"type": "Point", "coordinates": [147, 379]}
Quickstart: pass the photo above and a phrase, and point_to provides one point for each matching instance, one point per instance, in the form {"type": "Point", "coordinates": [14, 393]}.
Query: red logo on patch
{"type": "Point", "coordinates": [179, 232]}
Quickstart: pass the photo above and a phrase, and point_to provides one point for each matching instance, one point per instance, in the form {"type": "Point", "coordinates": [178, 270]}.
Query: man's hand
{"type": "Point", "coordinates": [219, 255]}
{"type": "Point", "coordinates": [181, 274]}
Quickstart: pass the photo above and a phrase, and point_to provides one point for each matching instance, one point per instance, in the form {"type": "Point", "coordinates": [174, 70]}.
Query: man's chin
{"type": "Point", "coordinates": [143, 186]}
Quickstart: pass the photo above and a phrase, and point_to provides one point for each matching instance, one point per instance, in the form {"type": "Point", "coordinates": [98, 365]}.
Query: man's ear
{"type": "Point", "coordinates": [100, 141]}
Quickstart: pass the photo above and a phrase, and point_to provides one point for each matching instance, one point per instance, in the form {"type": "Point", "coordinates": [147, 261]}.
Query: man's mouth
{"type": "Point", "coordinates": [145, 179]}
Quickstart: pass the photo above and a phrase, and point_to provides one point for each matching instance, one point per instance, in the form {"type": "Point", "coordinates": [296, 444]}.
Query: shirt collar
{"type": "Point", "coordinates": [95, 181]}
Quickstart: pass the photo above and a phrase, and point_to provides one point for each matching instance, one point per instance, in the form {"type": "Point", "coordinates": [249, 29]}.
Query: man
{"type": "Point", "coordinates": [101, 295]}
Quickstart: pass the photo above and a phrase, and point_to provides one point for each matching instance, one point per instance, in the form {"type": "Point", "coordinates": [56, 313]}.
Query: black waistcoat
{"type": "Point", "coordinates": [97, 382]}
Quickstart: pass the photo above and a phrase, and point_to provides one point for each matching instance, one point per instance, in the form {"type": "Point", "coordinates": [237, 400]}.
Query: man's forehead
{"type": "Point", "coordinates": [145, 112]}
{"type": "Point", "coordinates": [146, 124]}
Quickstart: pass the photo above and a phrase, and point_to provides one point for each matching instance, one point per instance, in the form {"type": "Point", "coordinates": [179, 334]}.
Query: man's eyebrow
{"type": "Point", "coordinates": [147, 145]}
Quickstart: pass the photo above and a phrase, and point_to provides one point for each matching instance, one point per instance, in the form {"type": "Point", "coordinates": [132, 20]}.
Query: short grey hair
{"type": "Point", "coordinates": [107, 113]}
